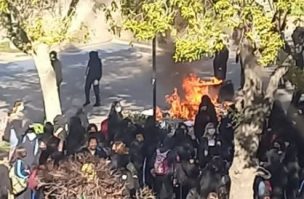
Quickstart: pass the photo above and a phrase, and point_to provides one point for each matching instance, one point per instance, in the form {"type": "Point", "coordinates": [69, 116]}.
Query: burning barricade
{"type": "Point", "coordinates": [184, 109]}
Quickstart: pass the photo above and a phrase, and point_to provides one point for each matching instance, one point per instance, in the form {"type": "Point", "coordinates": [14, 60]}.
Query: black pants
{"type": "Point", "coordinates": [87, 89]}
{"type": "Point", "coordinates": [59, 90]}
{"type": "Point", "coordinates": [220, 71]}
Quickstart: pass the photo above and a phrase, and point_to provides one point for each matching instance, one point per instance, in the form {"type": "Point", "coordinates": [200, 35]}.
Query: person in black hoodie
{"type": "Point", "coordinates": [220, 63]}
{"type": "Point", "coordinates": [93, 76]}
{"type": "Point", "coordinates": [206, 114]}
{"type": "Point", "coordinates": [56, 64]}
{"type": "Point", "coordinates": [76, 136]}
{"type": "Point", "coordinates": [115, 120]}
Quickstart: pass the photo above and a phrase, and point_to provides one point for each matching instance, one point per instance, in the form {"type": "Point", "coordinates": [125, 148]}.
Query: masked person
{"type": "Point", "coordinates": [220, 64]}
{"type": "Point", "coordinates": [115, 120]}
{"type": "Point", "coordinates": [56, 64]}
{"type": "Point", "coordinates": [209, 145]}
{"type": "Point", "coordinates": [206, 114]}
{"type": "Point", "coordinates": [93, 76]}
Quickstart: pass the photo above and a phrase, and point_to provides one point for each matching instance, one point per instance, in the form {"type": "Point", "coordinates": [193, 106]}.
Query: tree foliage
{"type": "Point", "coordinates": [30, 22]}
{"type": "Point", "coordinates": [206, 25]}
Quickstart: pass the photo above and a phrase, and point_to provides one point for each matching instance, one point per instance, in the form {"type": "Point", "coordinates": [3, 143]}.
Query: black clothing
{"type": "Point", "coordinates": [94, 66]}
{"type": "Point", "coordinates": [94, 74]}
{"type": "Point", "coordinates": [203, 117]}
{"type": "Point", "coordinates": [100, 153]}
{"type": "Point", "coordinates": [220, 64]}
{"type": "Point", "coordinates": [76, 136]}
{"type": "Point", "coordinates": [87, 88]}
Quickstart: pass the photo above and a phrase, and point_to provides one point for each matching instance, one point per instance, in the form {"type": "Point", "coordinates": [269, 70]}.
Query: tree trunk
{"type": "Point", "coordinates": [47, 81]}
{"type": "Point", "coordinates": [255, 106]}
{"type": "Point", "coordinates": [242, 171]}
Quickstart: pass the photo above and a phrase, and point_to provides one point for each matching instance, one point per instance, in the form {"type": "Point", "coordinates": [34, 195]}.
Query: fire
{"type": "Point", "coordinates": [194, 88]}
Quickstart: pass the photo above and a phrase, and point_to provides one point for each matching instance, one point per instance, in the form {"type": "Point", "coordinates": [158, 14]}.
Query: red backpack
{"type": "Point", "coordinates": [33, 180]}
{"type": "Point", "coordinates": [104, 128]}
{"type": "Point", "coordinates": [161, 166]}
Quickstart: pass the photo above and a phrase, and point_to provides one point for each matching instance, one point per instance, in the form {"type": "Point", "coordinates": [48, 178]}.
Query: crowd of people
{"type": "Point", "coordinates": [177, 160]}
{"type": "Point", "coordinates": [182, 161]}
{"type": "Point", "coordinates": [166, 158]}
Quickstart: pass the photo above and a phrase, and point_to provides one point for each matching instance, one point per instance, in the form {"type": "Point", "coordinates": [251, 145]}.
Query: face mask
{"type": "Point", "coordinates": [203, 108]}
{"type": "Point", "coordinates": [211, 131]}
{"type": "Point", "coordinates": [118, 109]}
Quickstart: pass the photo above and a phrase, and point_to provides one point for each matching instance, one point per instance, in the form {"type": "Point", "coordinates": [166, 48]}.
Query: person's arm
{"type": "Point", "coordinates": [20, 170]}
{"type": "Point", "coordinates": [100, 69]}
{"type": "Point", "coordinates": [87, 69]}
{"type": "Point", "coordinates": [61, 142]}
{"type": "Point", "coordinates": [60, 78]}
{"type": "Point", "coordinates": [87, 72]}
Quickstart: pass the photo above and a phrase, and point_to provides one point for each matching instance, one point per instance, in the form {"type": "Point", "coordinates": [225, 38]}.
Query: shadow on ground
{"type": "Point", "coordinates": [126, 76]}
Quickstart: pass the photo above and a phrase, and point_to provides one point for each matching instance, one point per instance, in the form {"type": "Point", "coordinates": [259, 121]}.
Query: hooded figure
{"type": "Point", "coordinates": [93, 76]}
{"type": "Point", "coordinates": [220, 64]}
{"type": "Point", "coordinates": [75, 139]}
{"type": "Point", "coordinates": [56, 64]}
{"type": "Point", "coordinates": [115, 120]}
{"type": "Point", "coordinates": [206, 114]}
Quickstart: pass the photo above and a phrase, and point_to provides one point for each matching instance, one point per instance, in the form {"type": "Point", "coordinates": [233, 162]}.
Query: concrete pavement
{"type": "Point", "coordinates": [126, 76]}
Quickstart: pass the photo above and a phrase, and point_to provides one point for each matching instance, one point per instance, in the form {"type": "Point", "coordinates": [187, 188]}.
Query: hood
{"type": "Point", "coordinates": [93, 55]}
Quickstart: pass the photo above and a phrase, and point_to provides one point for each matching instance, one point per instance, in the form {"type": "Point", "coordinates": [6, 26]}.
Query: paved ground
{"type": "Point", "coordinates": [127, 76]}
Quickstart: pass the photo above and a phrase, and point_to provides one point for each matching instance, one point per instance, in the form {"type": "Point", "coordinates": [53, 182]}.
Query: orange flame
{"type": "Point", "coordinates": [194, 88]}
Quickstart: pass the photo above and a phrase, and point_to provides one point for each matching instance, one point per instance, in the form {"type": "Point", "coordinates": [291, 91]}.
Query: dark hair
{"type": "Point", "coordinates": [92, 138]}
{"type": "Point", "coordinates": [92, 126]}
{"type": "Point", "coordinates": [48, 128]}
{"type": "Point", "coordinates": [15, 106]}
{"type": "Point", "coordinates": [20, 153]}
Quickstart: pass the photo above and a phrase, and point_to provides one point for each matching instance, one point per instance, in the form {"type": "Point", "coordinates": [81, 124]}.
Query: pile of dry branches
{"type": "Point", "coordinates": [85, 178]}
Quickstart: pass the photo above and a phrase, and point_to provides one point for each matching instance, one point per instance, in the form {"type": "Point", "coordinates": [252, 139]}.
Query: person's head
{"type": "Point", "coordinates": [205, 103]}
{"type": "Point", "coordinates": [92, 128]}
{"type": "Point", "coordinates": [210, 130]}
{"type": "Point", "coordinates": [140, 137]}
{"type": "Point", "coordinates": [119, 147]}
{"type": "Point", "coordinates": [116, 106]}
{"type": "Point", "coordinates": [212, 195]}
{"type": "Point", "coordinates": [48, 128]}
{"type": "Point", "coordinates": [93, 55]}
{"type": "Point", "coordinates": [184, 127]}
{"type": "Point", "coordinates": [20, 153]}
{"type": "Point", "coordinates": [92, 143]}
{"type": "Point", "coordinates": [75, 121]}
{"type": "Point", "coordinates": [53, 55]}
{"type": "Point", "coordinates": [43, 142]}
{"type": "Point", "coordinates": [18, 107]}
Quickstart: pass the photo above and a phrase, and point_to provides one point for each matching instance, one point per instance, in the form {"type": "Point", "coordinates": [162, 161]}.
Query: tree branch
{"type": "Point", "coordinates": [71, 10]}
{"type": "Point", "coordinates": [274, 82]}
{"type": "Point", "coordinates": [15, 33]}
